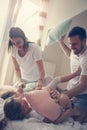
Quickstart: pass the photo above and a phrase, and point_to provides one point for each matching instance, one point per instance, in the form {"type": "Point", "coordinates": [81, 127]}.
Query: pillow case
{"type": "Point", "coordinates": [57, 32]}
{"type": "Point", "coordinates": [42, 103]}
{"type": "Point", "coordinates": [29, 87]}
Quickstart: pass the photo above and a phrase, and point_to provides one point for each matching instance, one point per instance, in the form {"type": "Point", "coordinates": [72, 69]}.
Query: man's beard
{"type": "Point", "coordinates": [78, 51]}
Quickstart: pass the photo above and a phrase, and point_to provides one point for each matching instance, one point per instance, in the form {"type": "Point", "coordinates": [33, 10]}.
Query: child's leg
{"type": "Point", "coordinates": [54, 83]}
{"type": "Point", "coordinates": [47, 120]}
{"type": "Point", "coordinates": [64, 116]}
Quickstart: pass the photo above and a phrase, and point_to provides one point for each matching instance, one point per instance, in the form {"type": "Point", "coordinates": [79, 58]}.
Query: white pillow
{"type": "Point", "coordinates": [29, 87]}
{"type": "Point", "coordinates": [57, 32]}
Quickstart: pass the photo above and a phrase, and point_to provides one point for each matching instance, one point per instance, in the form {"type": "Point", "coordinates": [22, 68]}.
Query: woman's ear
{"type": "Point", "coordinates": [10, 45]}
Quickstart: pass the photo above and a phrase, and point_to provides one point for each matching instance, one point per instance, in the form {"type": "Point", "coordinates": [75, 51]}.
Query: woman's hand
{"type": "Point", "coordinates": [39, 84]}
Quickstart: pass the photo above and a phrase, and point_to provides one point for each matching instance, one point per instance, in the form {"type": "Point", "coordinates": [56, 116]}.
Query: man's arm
{"type": "Point", "coordinates": [65, 48]}
{"type": "Point", "coordinates": [68, 77]}
{"type": "Point", "coordinates": [64, 78]}
{"type": "Point", "coordinates": [79, 88]}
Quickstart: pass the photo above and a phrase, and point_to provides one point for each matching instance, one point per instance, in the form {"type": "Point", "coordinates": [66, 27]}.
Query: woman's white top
{"type": "Point", "coordinates": [27, 64]}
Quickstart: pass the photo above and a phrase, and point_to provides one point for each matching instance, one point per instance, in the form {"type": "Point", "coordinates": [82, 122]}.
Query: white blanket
{"type": "Point", "coordinates": [36, 124]}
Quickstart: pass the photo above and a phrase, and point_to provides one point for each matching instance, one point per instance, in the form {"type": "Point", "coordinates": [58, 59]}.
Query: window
{"type": "Point", "coordinates": [3, 14]}
{"type": "Point", "coordinates": [28, 19]}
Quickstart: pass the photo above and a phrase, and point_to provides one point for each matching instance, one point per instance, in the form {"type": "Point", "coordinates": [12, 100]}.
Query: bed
{"type": "Point", "coordinates": [36, 124]}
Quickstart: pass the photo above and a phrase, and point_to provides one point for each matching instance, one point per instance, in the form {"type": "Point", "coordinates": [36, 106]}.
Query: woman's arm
{"type": "Point", "coordinates": [17, 69]}
{"type": "Point", "coordinates": [18, 73]}
{"type": "Point", "coordinates": [41, 73]}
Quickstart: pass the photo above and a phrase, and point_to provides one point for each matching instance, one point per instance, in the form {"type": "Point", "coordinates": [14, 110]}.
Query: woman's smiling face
{"type": "Point", "coordinates": [18, 42]}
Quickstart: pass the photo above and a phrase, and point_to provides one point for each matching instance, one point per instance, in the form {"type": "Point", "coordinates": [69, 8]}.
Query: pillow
{"type": "Point", "coordinates": [57, 32]}
{"type": "Point", "coordinates": [42, 103]}
{"type": "Point", "coordinates": [29, 87]}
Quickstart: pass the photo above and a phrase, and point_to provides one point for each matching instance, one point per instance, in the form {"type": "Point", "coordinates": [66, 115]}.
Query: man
{"type": "Point", "coordinates": [77, 87]}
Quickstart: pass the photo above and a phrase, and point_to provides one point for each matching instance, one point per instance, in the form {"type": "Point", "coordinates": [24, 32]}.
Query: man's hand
{"type": "Point", "coordinates": [62, 39]}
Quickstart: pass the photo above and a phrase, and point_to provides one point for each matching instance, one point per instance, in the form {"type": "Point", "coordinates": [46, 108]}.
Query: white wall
{"type": "Point", "coordinates": [60, 10]}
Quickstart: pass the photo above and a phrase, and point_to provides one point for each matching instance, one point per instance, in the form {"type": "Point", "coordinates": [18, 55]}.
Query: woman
{"type": "Point", "coordinates": [27, 58]}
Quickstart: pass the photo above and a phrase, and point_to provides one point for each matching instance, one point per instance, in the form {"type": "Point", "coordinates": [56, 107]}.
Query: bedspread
{"type": "Point", "coordinates": [36, 124]}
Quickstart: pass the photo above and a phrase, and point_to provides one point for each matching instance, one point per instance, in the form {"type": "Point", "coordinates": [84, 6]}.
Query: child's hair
{"type": "Point", "coordinates": [3, 123]}
{"type": "Point", "coordinates": [13, 110]}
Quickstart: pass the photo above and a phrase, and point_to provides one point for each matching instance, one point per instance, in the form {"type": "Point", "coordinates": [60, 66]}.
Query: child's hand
{"type": "Point", "coordinates": [20, 90]}
{"type": "Point", "coordinates": [54, 94]}
{"type": "Point", "coordinates": [21, 85]}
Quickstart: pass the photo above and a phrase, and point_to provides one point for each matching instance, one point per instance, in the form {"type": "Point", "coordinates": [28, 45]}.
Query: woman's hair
{"type": "Point", "coordinates": [13, 110]}
{"type": "Point", "coordinates": [3, 123]}
{"type": "Point", "coordinates": [17, 32]}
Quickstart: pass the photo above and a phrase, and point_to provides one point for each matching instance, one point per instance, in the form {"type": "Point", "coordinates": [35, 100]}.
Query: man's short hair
{"type": "Point", "coordinates": [77, 31]}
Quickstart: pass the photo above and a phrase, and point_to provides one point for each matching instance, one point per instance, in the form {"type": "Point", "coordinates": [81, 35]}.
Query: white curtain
{"type": "Point", "coordinates": [44, 4]}
{"type": "Point", "coordinates": [6, 66]}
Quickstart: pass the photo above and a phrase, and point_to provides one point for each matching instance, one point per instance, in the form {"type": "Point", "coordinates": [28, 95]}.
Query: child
{"type": "Point", "coordinates": [21, 106]}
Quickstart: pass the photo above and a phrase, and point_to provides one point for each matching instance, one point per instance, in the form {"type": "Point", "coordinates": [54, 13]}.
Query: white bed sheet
{"type": "Point", "coordinates": [36, 124]}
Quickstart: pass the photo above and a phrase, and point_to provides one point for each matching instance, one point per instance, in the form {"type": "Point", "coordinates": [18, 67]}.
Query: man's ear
{"type": "Point", "coordinates": [84, 41]}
